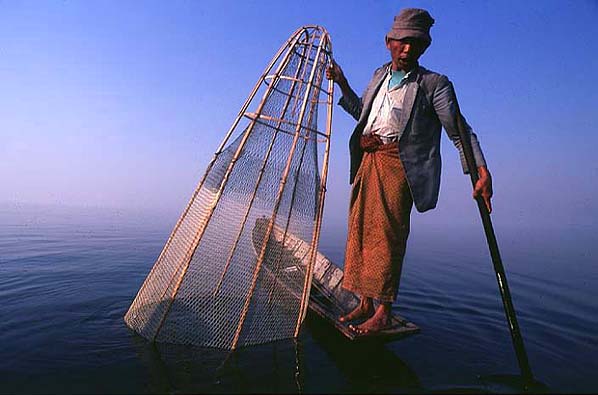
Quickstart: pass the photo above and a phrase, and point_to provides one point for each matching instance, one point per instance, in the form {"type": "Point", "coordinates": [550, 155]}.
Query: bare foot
{"type": "Point", "coordinates": [365, 309]}
{"type": "Point", "coordinates": [379, 321]}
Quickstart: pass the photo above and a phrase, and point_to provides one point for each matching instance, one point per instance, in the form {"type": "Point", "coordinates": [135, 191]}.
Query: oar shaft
{"type": "Point", "coordinates": [499, 270]}
{"type": "Point", "coordinates": [505, 293]}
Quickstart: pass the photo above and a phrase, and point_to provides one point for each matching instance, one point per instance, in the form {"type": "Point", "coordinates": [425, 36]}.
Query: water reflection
{"type": "Point", "coordinates": [320, 360]}
{"type": "Point", "coordinates": [270, 368]}
{"type": "Point", "coordinates": [367, 365]}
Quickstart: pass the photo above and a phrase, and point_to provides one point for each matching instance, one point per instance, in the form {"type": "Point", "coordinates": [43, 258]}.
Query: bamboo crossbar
{"type": "Point", "coordinates": [329, 53]}
{"type": "Point", "coordinates": [258, 119]}
{"type": "Point", "coordinates": [285, 77]}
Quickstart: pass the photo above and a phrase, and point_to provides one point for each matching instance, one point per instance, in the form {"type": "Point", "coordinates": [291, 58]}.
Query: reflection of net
{"type": "Point", "coordinates": [211, 286]}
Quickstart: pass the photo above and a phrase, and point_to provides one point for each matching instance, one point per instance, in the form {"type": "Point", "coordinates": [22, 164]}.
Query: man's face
{"type": "Point", "coordinates": [405, 52]}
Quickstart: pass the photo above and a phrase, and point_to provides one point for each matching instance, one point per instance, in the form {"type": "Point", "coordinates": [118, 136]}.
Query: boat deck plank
{"type": "Point", "coordinates": [327, 298]}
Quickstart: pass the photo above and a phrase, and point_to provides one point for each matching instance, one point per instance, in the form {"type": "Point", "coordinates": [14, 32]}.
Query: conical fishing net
{"type": "Point", "coordinates": [220, 279]}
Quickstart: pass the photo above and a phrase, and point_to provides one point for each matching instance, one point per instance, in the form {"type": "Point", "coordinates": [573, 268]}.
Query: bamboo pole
{"type": "Point", "coordinates": [276, 206]}
{"type": "Point", "coordinates": [261, 173]}
{"type": "Point", "coordinates": [288, 220]}
{"type": "Point", "coordinates": [293, 194]}
{"type": "Point", "coordinates": [316, 233]}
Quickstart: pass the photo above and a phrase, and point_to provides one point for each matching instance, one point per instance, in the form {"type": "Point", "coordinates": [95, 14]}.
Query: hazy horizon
{"type": "Point", "coordinates": [118, 105]}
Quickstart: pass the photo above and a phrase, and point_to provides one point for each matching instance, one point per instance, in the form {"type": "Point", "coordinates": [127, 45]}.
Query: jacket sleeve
{"type": "Point", "coordinates": [445, 105]}
{"type": "Point", "coordinates": [352, 104]}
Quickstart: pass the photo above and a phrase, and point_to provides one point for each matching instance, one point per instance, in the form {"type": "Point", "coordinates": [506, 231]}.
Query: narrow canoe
{"type": "Point", "coordinates": [327, 298]}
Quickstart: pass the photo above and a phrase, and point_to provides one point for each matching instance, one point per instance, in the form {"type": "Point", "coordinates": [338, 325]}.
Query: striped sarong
{"type": "Point", "coordinates": [379, 215]}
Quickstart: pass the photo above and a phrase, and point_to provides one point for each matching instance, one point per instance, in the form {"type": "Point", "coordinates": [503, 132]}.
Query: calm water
{"type": "Point", "coordinates": [67, 277]}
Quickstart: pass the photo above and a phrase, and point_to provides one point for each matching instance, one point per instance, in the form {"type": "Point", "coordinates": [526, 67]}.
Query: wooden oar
{"type": "Point", "coordinates": [501, 277]}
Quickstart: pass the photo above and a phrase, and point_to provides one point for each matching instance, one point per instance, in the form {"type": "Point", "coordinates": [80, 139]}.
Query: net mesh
{"type": "Point", "coordinates": [220, 280]}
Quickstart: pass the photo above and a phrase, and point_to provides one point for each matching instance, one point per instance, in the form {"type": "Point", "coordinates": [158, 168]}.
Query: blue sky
{"type": "Point", "coordinates": [121, 104]}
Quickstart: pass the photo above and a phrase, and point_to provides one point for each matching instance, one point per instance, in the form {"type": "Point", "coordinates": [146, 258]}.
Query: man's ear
{"type": "Point", "coordinates": [386, 41]}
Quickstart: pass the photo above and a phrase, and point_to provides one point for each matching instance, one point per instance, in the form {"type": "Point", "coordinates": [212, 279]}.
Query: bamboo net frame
{"type": "Point", "coordinates": [209, 285]}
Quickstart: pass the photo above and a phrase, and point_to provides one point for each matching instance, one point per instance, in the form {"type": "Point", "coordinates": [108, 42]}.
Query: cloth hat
{"type": "Point", "coordinates": [412, 22]}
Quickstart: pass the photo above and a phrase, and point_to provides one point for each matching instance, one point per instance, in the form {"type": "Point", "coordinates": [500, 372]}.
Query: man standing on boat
{"type": "Point", "coordinates": [395, 163]}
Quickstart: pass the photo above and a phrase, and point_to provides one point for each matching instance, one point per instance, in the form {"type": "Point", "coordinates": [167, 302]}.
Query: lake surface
{"type": "Point", "coordinates": [67, 277]}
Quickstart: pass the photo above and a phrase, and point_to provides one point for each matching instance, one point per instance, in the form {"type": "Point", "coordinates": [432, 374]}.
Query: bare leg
{"type": "Point", "coordinates": [365, 309]}
{"type": "Point", "coordinates": [379, 321]}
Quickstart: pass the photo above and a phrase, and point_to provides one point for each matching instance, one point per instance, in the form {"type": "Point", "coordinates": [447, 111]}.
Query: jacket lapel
{"type": "Point", "coordinates": [408, 103]}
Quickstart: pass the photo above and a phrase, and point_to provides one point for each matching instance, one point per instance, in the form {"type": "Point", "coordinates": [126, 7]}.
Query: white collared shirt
{"type": "Point", "coordinates": [383, 119]}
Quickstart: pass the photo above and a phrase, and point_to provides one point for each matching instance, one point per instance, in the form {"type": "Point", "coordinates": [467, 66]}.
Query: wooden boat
{"type": "Point", "coordinates": [328, 299]}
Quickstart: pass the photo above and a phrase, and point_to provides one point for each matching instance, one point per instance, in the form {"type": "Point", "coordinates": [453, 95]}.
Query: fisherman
{"type": "Point", "coordinates": [395, 163]}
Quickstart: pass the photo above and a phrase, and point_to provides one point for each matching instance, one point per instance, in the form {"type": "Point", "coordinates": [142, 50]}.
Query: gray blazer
{"type": "Point", "coordinates": [429, 105]}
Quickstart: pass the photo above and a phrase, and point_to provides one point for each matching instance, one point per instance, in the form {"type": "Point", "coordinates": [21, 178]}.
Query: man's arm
{"type": "Point", "coordinates": [350, 102]}
{"type": "Point", "coordinates": [445, 105]}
